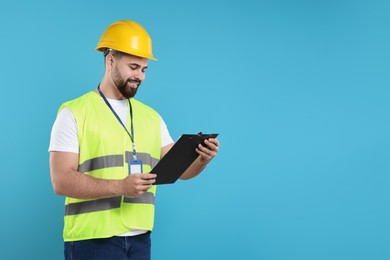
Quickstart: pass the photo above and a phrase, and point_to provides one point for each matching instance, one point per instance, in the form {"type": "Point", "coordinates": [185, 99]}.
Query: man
{"type": "Point", "coordinates": [95, 142]}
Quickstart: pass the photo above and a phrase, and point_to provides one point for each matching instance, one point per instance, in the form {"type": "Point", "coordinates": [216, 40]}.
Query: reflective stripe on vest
{"type": "Point", "coordinates": [115, 161]}
{"type": "Point", "coordinates": [106, 204]}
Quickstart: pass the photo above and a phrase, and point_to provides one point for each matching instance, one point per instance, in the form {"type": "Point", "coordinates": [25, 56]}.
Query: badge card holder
{"type": "Point", "coordinates": [135, 166]}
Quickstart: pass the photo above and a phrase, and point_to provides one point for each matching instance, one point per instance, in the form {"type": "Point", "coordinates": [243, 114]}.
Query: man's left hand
{"type": "Point", "coordinates": [208, 152]}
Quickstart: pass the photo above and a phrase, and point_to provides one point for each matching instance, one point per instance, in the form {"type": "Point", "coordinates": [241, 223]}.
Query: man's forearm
{"type": "Point", "coordinates": [195, 168]}
{"type": "Point", "coordinates": [78, 185]}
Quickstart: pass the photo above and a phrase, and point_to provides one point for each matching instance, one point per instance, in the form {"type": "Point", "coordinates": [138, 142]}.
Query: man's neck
{"type": "Point", "coordinates": [110, 91]}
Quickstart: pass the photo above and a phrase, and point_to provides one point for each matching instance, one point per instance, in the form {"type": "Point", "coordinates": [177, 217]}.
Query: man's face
{"type": "Point", "coordinates": [127, 73]}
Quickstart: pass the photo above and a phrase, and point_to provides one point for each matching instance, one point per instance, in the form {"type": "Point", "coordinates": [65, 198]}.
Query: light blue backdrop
{"type": "Point", "coordinates": [298, 90]}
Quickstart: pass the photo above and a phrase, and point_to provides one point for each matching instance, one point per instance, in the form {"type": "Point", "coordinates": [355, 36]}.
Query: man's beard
{"type": "Point", "coordinates": [123, 85]}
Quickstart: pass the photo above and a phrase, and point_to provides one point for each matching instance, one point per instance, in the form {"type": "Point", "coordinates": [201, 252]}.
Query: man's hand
{"type": "Point", "coordinates": [209, 152]}
{"type": "Point", "coordinates": [137, 184]}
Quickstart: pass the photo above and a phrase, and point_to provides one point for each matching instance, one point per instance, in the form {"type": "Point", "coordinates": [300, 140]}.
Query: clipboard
{"type": "Point", "coordinates": [179, 158]}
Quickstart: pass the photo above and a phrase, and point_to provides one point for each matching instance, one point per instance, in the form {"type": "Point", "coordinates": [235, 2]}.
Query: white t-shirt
{"type": "Point", "coordinates": [64, 135]}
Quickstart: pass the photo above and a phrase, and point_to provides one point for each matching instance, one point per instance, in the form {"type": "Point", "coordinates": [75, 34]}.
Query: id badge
{"type": "Point", "coordinates": [135, 166]}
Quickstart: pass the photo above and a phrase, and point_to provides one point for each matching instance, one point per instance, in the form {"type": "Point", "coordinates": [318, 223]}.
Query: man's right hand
{"type": "Point", "coordinates": [137, 184]}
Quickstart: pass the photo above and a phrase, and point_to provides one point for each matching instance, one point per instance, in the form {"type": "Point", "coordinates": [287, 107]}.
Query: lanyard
{"type": "Point", "coordinates": [120, 121]}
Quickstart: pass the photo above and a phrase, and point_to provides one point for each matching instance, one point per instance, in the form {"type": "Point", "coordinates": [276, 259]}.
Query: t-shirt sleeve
{"type": "Point", "coordinates": [64, 133]}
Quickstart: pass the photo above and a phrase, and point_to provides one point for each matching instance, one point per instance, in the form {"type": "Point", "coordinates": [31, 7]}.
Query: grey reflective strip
{"type": "Point", "coordinates": [146, 158]}
{"type": "Point", "coordinates": [101, 162]}
{"type": "Point", "coordinates": [106, 204]}
{"type": "Point", "coordinates": [115, 161]}
{"type": "Point", "coordinates": [92, 206]}
{"type": "Point", "coordinates": [146, 198]}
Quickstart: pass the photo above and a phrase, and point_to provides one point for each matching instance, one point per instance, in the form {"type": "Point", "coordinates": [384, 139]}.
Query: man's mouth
{"type": "Point", "coordinates": [134, 83]}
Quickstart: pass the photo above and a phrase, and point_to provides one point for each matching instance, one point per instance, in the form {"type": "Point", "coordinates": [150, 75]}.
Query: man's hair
{"type": "Point", "coordinates": [115, 53]}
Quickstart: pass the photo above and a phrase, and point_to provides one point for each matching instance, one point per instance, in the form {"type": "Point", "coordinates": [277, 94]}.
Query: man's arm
{"type": "Point", "coordinates": [67, 181]}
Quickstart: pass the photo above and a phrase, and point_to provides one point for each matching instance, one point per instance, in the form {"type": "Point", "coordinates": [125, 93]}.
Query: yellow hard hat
{"type": "Point", "coordinates": [128, 37]}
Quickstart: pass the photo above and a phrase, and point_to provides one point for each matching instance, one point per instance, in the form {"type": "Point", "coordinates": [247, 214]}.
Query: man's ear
{"type": "Point", "coordinates": [109, 61]}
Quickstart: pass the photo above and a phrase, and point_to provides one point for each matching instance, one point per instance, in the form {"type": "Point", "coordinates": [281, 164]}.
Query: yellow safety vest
{"type": "Point", "coordinates": [105, 149]}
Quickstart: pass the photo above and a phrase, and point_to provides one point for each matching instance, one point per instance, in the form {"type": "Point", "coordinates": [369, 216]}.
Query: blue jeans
{"type": "Point", "coordinates": [113, 248]}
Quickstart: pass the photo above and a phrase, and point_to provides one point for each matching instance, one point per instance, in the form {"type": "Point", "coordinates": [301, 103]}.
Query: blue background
{"type": "Point", "coordinates": [298, 90]}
